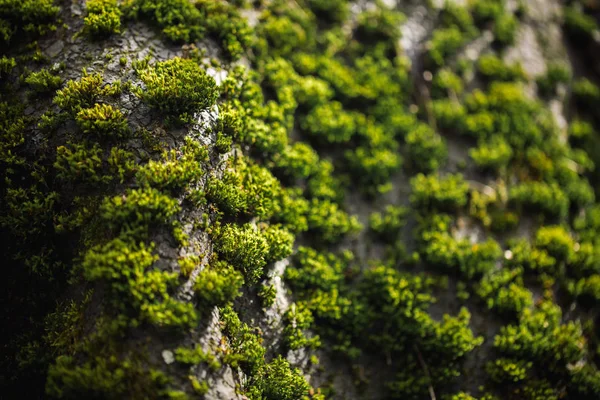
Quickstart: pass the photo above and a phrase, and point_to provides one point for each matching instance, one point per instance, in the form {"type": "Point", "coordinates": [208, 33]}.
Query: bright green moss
{"type": "Point", "coordinates": [280, 241]}
{"type": "Point", "coordinates": [330, 124]}
{"type": "Point", "coordinates": [493, 68]}
{"type": "Point", "coordinates": [135, 287]}
{"type": "Point", "coordinates": [176, 170]}
{"type": "Point", "coordinates": [278, 380]}
{"type": "Point", "coordinates": [179, 20]}
{"type": "Point", "coordinates": [426, 150]}
{"type": "Point", "coordinates": [471, 260]}
{"type": "Point", "coordinates": [312, 271]}
{"type": "Point", "coordinates": [178, 88]}
{"type": "Point", "coordinates": [196, 356]}
{"type": "Point", "coordinates": [503, 291]}
{"type": "Point", "coordinates": [374, 166]}
{"type": "Point", "coordinates": [329, 223]}
{"type": "Point", "coordinates": [492, 155]}
{"type": "Point", "coordinates": [446, 82]}
{"type": "Point", "coordinates": [455, 15]}
{"type": "Point", "coordinates": [245, 248]}
{"type": "Point", "coordinates": [430, 192]}
{"type": "Point", "coordinates": [505, 29]}
{"type": "Point", "coordinates": [102, 120]}
{"type": "Point", "coordinates": [245, 189]}
{"type": "Point", "coordinates": [78, 94]}
{"type": "Point", "coordinates": [282, 36]}
{"type": "Point", "coordinates": [246, 351]}
{"type": "Point", "coordinates": [103, 18]}
{"type": "Point", "coordinates": [138, 209]}
{"type": "Point", "coordinates": [43, 81]}
{"type": "Point", "coordinates": [443, 44]}
{"type": "Point", "coordinates": [541, 338]}
{"type": "Point", "coordinates": [547, 199]}
{"type": "Point", "coordinates": [580, 131]}
{"type": "Point", "coordinates": [556, 240]}
{"type": "Point", "coordinates": [224, 22]}
{"type": "Point", "coordinates": [267, 295]}
{"type": "Point", "coordinates": [297, 319]}
{"type": "Point", "coordinates": [297, 161]}
{"type": "Point", "coordinates": [217, 285]}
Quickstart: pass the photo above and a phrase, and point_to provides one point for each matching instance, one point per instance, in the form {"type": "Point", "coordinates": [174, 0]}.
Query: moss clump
{"type": "Point", "coordinates": [82, 93]}
{"type": "Point", "coordinates": [135, 288]}
{"type": "Point", "coordinates": [493, 68]}
{"type": "Point", "coordinates": [430, 192]}
{"type": "Point", "coordinates": [178, 88]}
{"type": "Point", "coordinates": [176, 169]}
{"type": "Point", "coordinates": [43, 81]}
{"type": "Point", "coordinates": [103, 121]}
{"type": "Point", "coordinates": [245, 248]}
{"type": "Point", "coordinates": [548, 199]}
{"type": "Point", "coordinates": [29, 16]}
{"type": "Point", "coordinates": [103, 18]}
{"type": "Point", "coordinates": [217, 285]}
{"type": "Point", "coordinates": [427, 150]}
{"type": "Point", "coordinates": [137, 210]}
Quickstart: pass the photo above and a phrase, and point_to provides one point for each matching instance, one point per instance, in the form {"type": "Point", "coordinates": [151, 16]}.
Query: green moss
{"type": "Point", "coordinates": [505, 29]}
{"type": "Point", "coordinates": [84, 92]}
{"type": "Point", "coordinates": [556, 73]}
{"type": "Point", "coordinates": [427, 150]}
{"type": "Point", "coordinates": [7, 64]}
{"type": "Point", "coordinates": [547, 199]}
{"type": "Point", "coordinates": [504, 292]}
{"type": "Point", "coordinates": [493, 68]}
{"type": "Point", "coordinates": [178, 88]}
{"type": "Point", "coordinates": [297, 319]}
{"type": "Point", "coordinates": [245, 248]}
{"type": "Point", "coordinates": [137, 210]}
{"type": "Point", "coordinates": [135, 288]}
{"type": "Point", "coordinates": [329, 223]}
{"type": "Point", "coordinates": [176, 170]}
{"type": "Point", "coordinates": [43, 81]}
{"type": "Point", "coordinates": [217, 285]}
{"type": "Point", "coordinates": [245, 349]}
{"type": "Point", "coordinates": [103, 18]}
{"type": "Point", "coordinates": [278, 380]}
{"type": "Point", "coordinates": [102, 120]}
{"type": "Point", "coordinates": [388, 224]}
{"type": "Point", "coordinates": [179, 20]}
{"type": "Point", "coordinates": [80, 163]}
{"type": "Point", "coordinates": [33, 17]}
{"type": "Point", "coordinates": [492, 155]}
{"type": "Point", "coordinates": [579, 27]}
{"type": "Point", "coordinates": [196, 356]}
{"type": "Point", "coordinates": [430, 192]}
{"type": "Point", "coordinates": [245, 189]}
{"type": "Point", "coordinates": [507, 371]}
{"type": "Point", "coordinates": [443, 44]}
